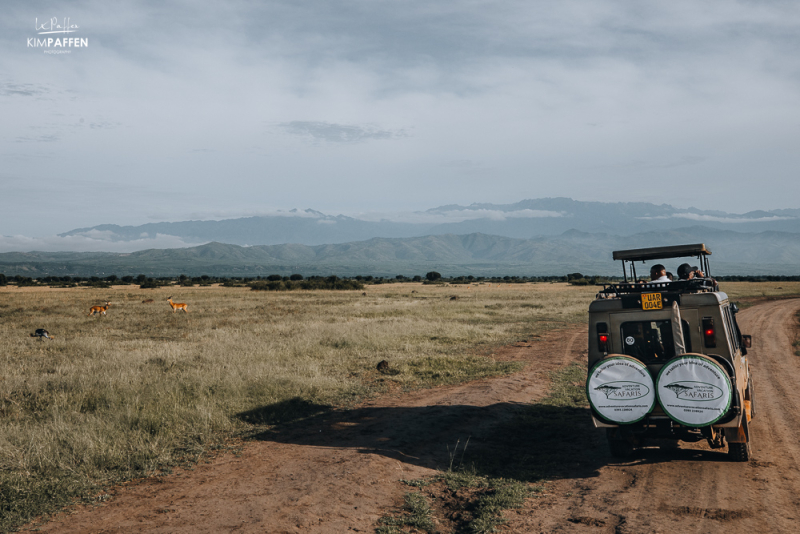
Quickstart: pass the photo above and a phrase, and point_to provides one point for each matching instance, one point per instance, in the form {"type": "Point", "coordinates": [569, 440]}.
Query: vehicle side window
{"type": "Point", "coordinates": [733, 342]}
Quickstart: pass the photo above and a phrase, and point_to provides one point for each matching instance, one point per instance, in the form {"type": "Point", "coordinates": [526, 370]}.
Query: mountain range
{"type": "Point", "coordinates": [526, 219]}
{"type": "Point", "coordinates": [768, 252]}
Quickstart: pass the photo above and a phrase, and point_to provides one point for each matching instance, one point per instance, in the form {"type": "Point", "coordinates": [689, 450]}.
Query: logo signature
{"type": "Point", "coordinates": [623, 390]}
{"type": "Point", "coordinates": [57, 44]}
{"type": "Point", "coordinates": [695, 391]}
{"type": "Point", "coordinates": [54, 26]}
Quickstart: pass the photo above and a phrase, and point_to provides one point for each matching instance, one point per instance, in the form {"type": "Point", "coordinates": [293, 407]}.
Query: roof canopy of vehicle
{"type": "Point", "coordinates": [658, 253]}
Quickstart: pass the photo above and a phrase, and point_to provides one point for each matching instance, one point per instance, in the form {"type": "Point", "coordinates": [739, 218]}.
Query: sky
{"type": "Point", "coordinates": [207, 110]}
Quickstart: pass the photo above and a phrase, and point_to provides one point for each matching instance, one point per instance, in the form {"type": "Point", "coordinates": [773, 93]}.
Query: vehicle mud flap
{"type": "Point", "coordinates": [739, 444]}
{"type": "Point", "coordinates": [740, 434]}
{"type": "Point", "coordinates": [620, 390]}
{"type": "Point", "coordinates": [694, 390]}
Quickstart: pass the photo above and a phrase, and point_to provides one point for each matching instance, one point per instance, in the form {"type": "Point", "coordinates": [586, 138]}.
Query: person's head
{"type": "Point", "coordinates": [657, 271]}
{"type": "Point", "coordinates": [684, 271]}
{"type": "Point", "coordinates": [670, 276]}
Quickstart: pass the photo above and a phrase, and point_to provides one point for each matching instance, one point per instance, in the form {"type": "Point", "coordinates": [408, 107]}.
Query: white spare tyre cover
{"type": "Point", "coordinates": [620, 389]}
{"type": "Point", "coordinates": [694, 390]}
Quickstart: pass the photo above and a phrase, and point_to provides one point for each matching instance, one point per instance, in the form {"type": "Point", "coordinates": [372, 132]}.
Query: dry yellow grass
{"type": "Point", "coordinates": [142, 388]}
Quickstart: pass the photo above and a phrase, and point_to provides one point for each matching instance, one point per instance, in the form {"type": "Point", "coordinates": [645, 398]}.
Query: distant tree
{"type": "Point", "coordinates": [433, 276]}
{"type": "Point", "coordinates": [3, 280]}
{"type": "Point", "coordinates": [296, 277]}
{"type": "Point", "coordinates": [274, 278]}
{"type": "Point", "coordinates": [574, 276]}
{"type": "Point", "coordinates": [141, 279]}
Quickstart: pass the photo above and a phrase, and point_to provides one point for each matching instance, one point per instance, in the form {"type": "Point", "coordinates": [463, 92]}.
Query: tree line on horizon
{"type": "Point", "coordinates": [277, 282]}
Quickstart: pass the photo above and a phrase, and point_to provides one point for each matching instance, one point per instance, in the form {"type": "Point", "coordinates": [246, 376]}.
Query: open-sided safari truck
{"type": "Point", "coordinates": [667, 360]}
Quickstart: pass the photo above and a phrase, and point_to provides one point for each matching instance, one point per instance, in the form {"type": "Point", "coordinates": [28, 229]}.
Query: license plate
{"type": "Point", "coordinates": [651, 301]}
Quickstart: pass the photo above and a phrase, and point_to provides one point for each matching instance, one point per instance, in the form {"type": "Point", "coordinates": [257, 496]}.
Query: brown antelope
{"type": "Point", "coordinates": [177, 306]}
{"type": "Point", "coordinates": [99, 309]}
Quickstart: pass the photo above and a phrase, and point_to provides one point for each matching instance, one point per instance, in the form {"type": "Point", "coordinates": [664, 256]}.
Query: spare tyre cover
{"type": "Point", "coordinates": [620, 389]}
{"type": "Point", "coordinates": [694, 390]}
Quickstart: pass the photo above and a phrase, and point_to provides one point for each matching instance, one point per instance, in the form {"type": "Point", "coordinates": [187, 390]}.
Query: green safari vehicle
{"type": "Point", "coordinates": [667, 359]}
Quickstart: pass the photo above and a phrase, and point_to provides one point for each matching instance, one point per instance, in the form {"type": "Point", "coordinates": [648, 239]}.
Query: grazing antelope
{"type": "Point", "coordinates": [99, 309]}
{"type": "Point", "coordinates": [41, 333]}
{"type": "Point", "coordinates": [177, 305]}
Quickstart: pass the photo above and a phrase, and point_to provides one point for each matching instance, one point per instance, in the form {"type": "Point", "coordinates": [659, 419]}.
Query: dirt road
{"type": "Point", "coordinates": [696, 489]}
{"type": "Point", "coordinates": [341, 471]}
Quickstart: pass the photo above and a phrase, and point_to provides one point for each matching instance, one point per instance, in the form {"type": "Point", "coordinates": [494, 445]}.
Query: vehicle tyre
{"type": "Point", "coordinates": [613, 383]}
{"type": "Point", "coordinates": [694, 390]}
{"type": "Point", "coordinates": [739, 452]}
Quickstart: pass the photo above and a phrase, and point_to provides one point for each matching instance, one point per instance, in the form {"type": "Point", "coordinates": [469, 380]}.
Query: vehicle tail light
{"type": "Point", "coordinates": [709, 333]}
{"type": "Point", "coordinates": [603, 339]}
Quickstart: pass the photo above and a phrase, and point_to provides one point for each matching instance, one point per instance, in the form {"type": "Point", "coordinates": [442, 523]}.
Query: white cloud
{"type": "Point", "coordinates": [93, 241]}
{"type": "Point", "coordinates": [712, 218]}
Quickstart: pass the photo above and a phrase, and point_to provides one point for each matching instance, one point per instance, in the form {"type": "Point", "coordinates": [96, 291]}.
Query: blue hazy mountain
{"type": "Point", "coordinates": [526, 219]}
{"type": "Point", "coordinates": [769, 252]}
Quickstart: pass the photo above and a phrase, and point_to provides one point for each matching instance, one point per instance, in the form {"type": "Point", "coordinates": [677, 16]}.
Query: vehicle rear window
{"type": "Point", "coordinates": [651, 341]}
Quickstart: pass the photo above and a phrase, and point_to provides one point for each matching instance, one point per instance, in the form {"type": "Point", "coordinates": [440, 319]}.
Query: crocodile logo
{"type": "Point", "coordinates": [695, 391]}
{"type": "Point", "coordinates": [623, 390]}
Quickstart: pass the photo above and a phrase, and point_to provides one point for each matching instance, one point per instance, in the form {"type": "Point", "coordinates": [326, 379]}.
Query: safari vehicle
{"type": "Point", "coordinates": [667, 360]}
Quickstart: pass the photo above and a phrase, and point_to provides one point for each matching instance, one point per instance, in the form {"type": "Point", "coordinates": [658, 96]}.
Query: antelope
{"type": "Point", "coordinates": [177, 306]}
{"type": "Point", "coordinates": [99, 309]}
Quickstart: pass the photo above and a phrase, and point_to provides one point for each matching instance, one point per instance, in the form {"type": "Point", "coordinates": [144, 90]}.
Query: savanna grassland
{"type": "Point", "coordinates": [141, 389]}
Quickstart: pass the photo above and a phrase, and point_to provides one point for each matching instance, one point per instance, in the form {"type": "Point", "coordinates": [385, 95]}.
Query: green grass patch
{"type": "Point", "coordinates": [416, 514]}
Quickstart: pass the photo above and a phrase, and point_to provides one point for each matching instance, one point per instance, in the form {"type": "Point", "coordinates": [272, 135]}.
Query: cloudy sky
{"type": "Point", "coordinates": [198, 110]}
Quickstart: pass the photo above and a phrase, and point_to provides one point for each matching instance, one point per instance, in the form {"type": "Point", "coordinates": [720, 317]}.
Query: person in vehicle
{"type": "Point", "coordinates": [658, 273]}
{"type": "Point", "coordinates": [687, 272]}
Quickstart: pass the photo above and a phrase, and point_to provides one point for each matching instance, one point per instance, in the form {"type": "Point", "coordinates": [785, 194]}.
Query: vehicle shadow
{"type": "Point", "coordinates": [521, 441]}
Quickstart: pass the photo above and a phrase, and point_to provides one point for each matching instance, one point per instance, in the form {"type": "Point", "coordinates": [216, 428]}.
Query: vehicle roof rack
{"type": "Point", "coordinates": [696, 285]}
{"type": "Point", "coordinates": [697, 250]}
{"type": "Point", "coordinates": [659, 253]}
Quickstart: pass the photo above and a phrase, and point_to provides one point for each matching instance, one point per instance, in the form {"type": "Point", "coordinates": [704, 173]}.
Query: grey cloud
{"type": "Point", "coordinates": [51, 138]}
{"type": "Point", "coordinates": [338, 133]}
{"type": "Point", "coordinates": [21, 89]}
{"type": "Point", "coordinates": [646, 165]}
{"type": "Point", "coordinates": [103, 125]}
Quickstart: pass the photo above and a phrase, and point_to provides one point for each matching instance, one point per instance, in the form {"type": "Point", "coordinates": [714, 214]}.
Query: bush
{"type": "Point", "coordinates": [332, 282]}
{"type": "Point", "coordinates": [296, 277]}
{"type": "Point", "coordinates": [433, 276]}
